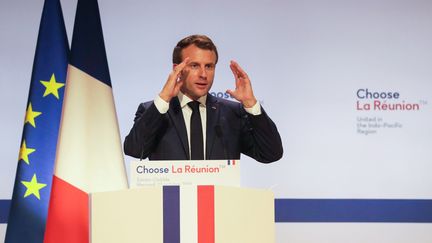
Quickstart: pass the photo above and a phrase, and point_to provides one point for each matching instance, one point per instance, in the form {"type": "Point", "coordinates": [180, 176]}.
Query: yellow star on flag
{"type": "Point", "coordinates": [52, 86]}
{"type": "Point", "coordinates": [33, 187]}
{"type": "Point", "coordinates": [24, 152]}
{"type": "Point", "coordinates": [31, 115]}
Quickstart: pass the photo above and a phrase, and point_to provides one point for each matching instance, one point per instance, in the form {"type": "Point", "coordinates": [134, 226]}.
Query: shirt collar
{"type": "Point", "coordinates": [184, 99]}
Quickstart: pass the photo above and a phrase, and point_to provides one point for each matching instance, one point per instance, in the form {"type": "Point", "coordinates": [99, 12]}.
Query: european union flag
{"type": "Point", "coordinates": [31, 195]}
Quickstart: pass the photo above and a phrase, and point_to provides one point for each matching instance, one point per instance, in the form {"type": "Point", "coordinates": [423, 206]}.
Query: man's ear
{"type": "Point", "coordinates": [174, 65]}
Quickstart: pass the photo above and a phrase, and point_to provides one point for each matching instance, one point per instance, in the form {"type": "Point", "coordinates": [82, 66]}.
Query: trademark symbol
{"type": "Point", "coordinates": [423, 102]}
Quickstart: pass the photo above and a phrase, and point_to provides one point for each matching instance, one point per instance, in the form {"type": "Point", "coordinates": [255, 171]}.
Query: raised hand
{"type": "Point", "coordinates": [243, 91]}
{"type": "Point", "coordinates": [174, 82]}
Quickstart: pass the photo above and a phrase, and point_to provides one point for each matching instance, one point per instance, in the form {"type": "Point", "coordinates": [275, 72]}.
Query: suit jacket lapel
{"type": "Point", "coordinates": [212, 121]}
{"type": "Point", "coordinates": [177, 119]}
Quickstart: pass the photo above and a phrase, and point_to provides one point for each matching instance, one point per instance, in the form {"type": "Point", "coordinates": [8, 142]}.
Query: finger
{"type": "Point", "coordinates": [235, 72]}
{"type": "Point", "coordinates": [238, 69]}
{"type": "Point", "coordinates": [177, 87]}
{"type": "Point", "coordinates": [178, 68]}
{"type": "Point", "coordinates": [175, 74]}
{"type": "Point", "coordinates": [233, 94]}
{"type": "Point", "coordinates": [178, 84]}
{"type": "Point", "coordinates": [237, 79]}
{"type": "Point", "coordinates": [230, 92]}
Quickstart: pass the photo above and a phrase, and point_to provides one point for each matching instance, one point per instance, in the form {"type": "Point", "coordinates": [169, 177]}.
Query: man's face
{"type": "Point", "coordinates": [198, 75]}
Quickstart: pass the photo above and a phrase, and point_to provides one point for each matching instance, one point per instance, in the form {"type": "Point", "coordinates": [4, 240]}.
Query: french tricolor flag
{"type": "Point", "coordinates": [231, 162]}
{"type": "Point", "coordinates": [183, 214]}
{"type": "Point", "coordinates": [89, 156]}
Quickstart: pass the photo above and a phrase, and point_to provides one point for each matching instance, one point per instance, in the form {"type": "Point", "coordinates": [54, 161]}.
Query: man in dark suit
{"type": "Point", "coordinates": [185, 122]}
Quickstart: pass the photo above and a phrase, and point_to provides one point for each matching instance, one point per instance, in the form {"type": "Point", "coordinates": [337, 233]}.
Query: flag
{"type": "Point", "coordinates": [89, 155]}
{"type": "Point", "coordinates": [29, 206]}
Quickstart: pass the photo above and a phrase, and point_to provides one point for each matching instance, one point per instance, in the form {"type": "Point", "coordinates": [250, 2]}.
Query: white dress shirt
{"type": "Point", "coordinates": [163, 107]}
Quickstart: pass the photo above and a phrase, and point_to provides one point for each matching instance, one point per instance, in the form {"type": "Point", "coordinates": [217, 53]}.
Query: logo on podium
{"type": "Point", "coordinates": [190, 172]}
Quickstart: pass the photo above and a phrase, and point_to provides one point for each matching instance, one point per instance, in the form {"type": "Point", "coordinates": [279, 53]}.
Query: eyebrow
{"type": "Point", "coordinates": [205, 64]}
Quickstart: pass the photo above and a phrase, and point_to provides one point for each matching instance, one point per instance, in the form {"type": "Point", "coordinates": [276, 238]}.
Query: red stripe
{"type": "Point", "coordinates": [206, 233]}
{"type": "Point", "coordinates": [233, 162]}
{"type": "Point", "coordinates": [68, 215]}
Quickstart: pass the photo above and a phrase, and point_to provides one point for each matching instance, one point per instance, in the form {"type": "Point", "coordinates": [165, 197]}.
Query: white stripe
{"type": "Point", "coordinates": [188, 214]}
{"type": "Point", "coordinates": [89, 154]}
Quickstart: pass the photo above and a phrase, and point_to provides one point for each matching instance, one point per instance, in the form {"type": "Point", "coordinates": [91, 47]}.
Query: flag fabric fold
{"type": "Point", "coordinates": [31, 194]}
{"type": "Point", "coordinates": [89, 155]}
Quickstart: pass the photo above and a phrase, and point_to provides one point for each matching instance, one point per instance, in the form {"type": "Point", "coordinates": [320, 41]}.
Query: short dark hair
{"type": "Point", "coordinates": [201, 41]}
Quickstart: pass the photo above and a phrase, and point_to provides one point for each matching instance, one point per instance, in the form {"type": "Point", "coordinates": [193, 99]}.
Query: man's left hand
{"type": "Point", "coordinates": [243, 91]}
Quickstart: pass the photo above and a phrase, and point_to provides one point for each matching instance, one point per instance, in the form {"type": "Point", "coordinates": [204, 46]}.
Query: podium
{"type": "Point", "coordinates": [186, 214]}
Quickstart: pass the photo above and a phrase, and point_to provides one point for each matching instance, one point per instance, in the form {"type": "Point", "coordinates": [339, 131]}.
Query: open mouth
{"type": "Point", "coordinates": [201, 85]}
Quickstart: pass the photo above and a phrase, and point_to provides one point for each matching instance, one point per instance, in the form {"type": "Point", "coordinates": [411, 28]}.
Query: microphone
{"type": "Point", "coordinates": [219, 134]}
{"type": "Point", "coordinates": [142, 153]}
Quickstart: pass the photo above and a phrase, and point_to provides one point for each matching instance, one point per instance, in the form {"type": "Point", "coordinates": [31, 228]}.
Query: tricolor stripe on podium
{"type": "Point", "coordinates": [186, 214]}
{"type": "Point", "coordinates": [196, 214]}
{"type": "Point", "coordinates": [198, 218]}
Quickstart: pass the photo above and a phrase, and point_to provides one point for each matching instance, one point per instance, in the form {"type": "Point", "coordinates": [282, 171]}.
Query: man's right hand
{"type": "Point", "coordinates": [174, 82]}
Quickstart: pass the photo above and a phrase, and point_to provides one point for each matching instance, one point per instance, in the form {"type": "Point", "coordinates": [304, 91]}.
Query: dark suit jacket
{"type": "Point", "coordinates": [230, 131]}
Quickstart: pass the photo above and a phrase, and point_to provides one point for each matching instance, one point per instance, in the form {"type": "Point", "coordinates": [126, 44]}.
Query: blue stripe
{"type": "Point", "coordinates": [4, 211]}
{"type": "Point", "coordinates": [324, 210]}
{"type": "Point", "coordinates": [88, 48]}
{"type": "Point", "coordinates": [353, 210]}
{"type": "Point", "coordinates": [171, 214]}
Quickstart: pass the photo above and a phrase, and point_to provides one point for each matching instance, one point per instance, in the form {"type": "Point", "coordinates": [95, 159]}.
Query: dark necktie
{"type": "Point", "coordinates": [196, 135]}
